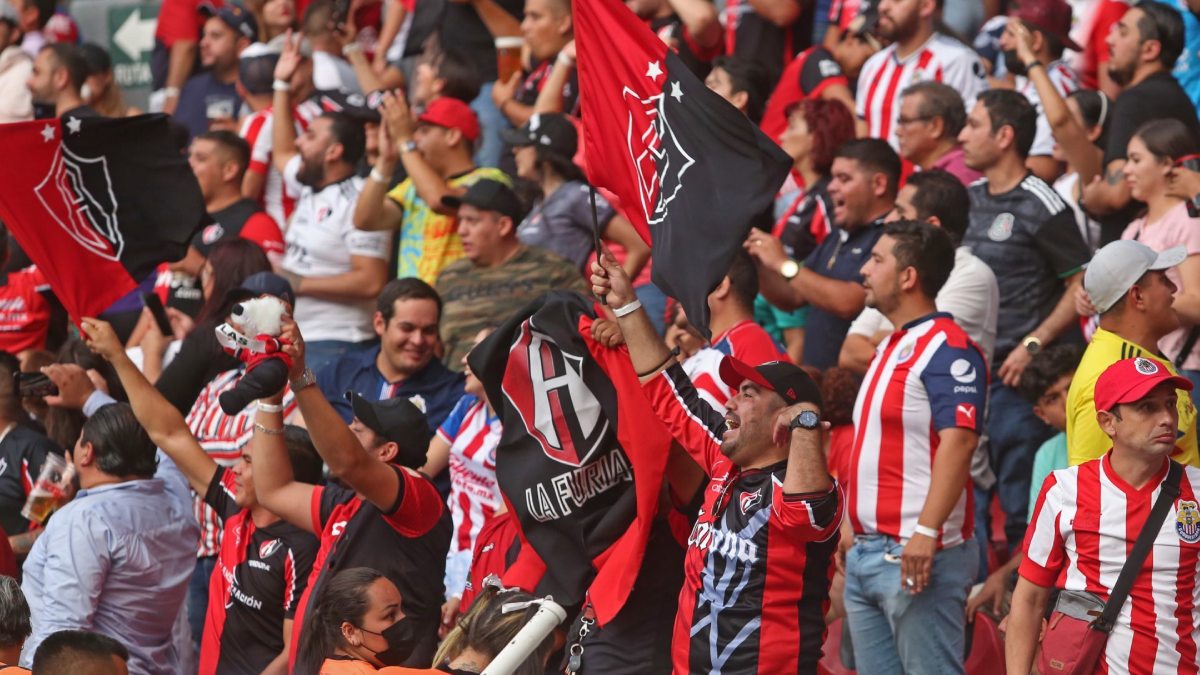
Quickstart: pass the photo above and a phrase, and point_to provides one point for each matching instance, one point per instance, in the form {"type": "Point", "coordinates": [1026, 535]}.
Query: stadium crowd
{"type": "Point", "coordinates": [942, 418]}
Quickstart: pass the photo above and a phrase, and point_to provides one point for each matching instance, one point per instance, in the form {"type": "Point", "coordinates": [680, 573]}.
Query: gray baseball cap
{"type": "Point", "coordinates": [1117, 267]}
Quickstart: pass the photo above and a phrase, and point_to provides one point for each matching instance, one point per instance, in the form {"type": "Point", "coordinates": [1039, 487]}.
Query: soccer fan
{"type": "Point", "coordinates": [436, 153]}
{"type": "Point", "coordinates": [362, 624]}
{"type": "Point", "coordinates": [262, 181]}
{"type": "Point", "coordinates": [72, 652]}
{"type": "Point", "coordinates": [488, 628]}
{"type": "Point", "coordinates": [117, 558]}
{"type": "Point", "coordinates": [1092, 22]}
{"type": "Point", "coordinates": [917, 421]}
{"type": "Point", "coordinates": [57, 78]}
{"type": "Point", "coordinates": [16, 101]}
{"type": "Point", "coordinates": [210, 98]}
{"type": "Point", "coordinates": [865, 177]}
{"type": "Point", "coordinates": [1026, 233]}
{"type": "Point", "coordinates": [263, 564]}
{"type": "Point", "coordinates": [383, 514]}
{"type": "Point", "coordinates": [818, 73]}
{"type": "Point", "coordinates": [1129, 286]}
{"type": "Point", "coordinates": [26, 310]}
{"type": "Point", "coordinates": [335, 270]}
{"type": "Point", "coordinates": [917, 53]}
{"type": "Point", "coordinates": [31, 18]}
{"type": "Point", "coordinates": [688, 26]}
{"type": "Point", "coordinates": [931, 117]}
{"type": "Point", "coordinates": [14, 625]}
{"type": "Point", "coordinates": [444, 70]}
{"type": "Point", "coordinates": [405, 364]}
{"type": "Point", "coordinates": [22, 451]}
{"type": "Point", "coordinates": [768, 33]}
{"type": "Point", "coordinates": [758, 560]}
{"type": "Point", "coordinates": [1144, 44]}
{"type": "Point", "coordinates": [499, 274]}
{"type": "Point", "coordinates": [970, 294]}
{"type": "Point", "coordinates": [547, 29]}
{"type": "Point", "coordinates": [1088, 517]}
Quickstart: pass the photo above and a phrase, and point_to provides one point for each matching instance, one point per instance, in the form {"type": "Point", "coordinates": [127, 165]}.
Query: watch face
{"type": "Point", "coordinates": [808, 419]}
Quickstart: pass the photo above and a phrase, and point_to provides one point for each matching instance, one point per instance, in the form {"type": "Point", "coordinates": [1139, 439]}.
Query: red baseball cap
{"type": "Point", "coordinates": [451, 113]}
{"type": "Point", "coordinates": [1052, 17]}
{"type": "Point", "coordinates": [1130, 380]}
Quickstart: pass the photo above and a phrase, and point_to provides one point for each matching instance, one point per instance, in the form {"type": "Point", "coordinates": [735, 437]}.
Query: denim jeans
{"type": "Point", "coordinates": [1014, 435]}
{"type": "Point", "coordinates": [897, 632]}
{"type": "Point", "coordinates": [320, 353]}
{"type": "Point", "coordinates": [491, 123]}
{"type": "Point", "coordinates": [197, 597]}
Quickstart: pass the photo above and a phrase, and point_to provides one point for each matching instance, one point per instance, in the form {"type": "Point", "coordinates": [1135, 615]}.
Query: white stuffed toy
{"type": "Point", "coordinates": [252, 336]}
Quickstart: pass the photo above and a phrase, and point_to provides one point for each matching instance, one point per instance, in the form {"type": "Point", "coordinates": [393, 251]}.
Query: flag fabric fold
{"type": "Point", "coordinates": [582, 455]}
{"type": "Point", "coordinates": [690, 170]}
{"type": "Point", "coordinates": [97, 203]}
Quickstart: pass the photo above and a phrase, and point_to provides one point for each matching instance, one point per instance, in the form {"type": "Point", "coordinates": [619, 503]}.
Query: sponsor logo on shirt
{"type": "Point", "coordinates": [706, 537]}
{"type": "Point", "coordinates": [964, 415]}
{"type": "Point", "coordinates": [1001, 228]}
{"type": "Point", "coordinates": [962, 371]}
{"type": "Point", "coordinates": [1187, 521]}
{"type": "Point", "coordinates": [267, 548]}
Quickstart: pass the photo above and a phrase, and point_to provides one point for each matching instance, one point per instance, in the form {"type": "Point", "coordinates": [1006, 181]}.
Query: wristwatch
{"type": "Point", "coordinates": [807, 419]}
{"type": "Point", "coordinates": [789, 269]}
{"type": "Point", "coordinates": [1032, 345]}
{"type": "Point", "coordinates": [408, 146]}
{"type": "Point", "coordinates": [306, 379]}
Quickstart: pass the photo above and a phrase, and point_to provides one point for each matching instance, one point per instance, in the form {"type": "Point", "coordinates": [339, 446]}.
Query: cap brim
{"type": "Point", "coordinates": [733, 372]}
{"type": "Point", "coordinates": [1139, 390]}
{"type": "Point", "coordinates": [1169, 258]}
{"type": "Point", "coordinates": [515, 137]}
{"type": "Point", "coordinates": [364, 411]}
{"type": "Point", "coordinates": [453, 202]}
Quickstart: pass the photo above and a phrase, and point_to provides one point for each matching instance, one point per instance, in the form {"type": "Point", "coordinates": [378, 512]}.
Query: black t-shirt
{"type": "Point", "coordinates": [1029, 238]}
{"type": "Point", "coordinates": [841, 256]}
{"type": "Point", "coordinates": [670, 29]}
{"type": "Point", "coordinates": [22, 452]}
{"type": "Point", "coordinates": [1156, 97]}
{"type": "Point", "coordinates": [200, 359]}
{"type": "Point", "coordinates": [257, 583]}
{"type": "Point", "coordinates": [227, 224]}
{"type": "Point", "coordinates": [757, 39]}
{"type": "Point", "coordinates": [465, 31]}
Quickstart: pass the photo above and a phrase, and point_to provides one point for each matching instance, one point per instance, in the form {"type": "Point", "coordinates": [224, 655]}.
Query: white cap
{"type": "Point", "coordinates": [1117, 267]}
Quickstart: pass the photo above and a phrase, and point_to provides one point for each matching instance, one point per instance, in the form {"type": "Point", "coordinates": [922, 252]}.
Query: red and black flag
{"type": "Point", "coordinates": [691, 171]}
{"type": "Point", "coordinates": [580, 467]}
{"type": "Point", "coordinates": [97, 203]}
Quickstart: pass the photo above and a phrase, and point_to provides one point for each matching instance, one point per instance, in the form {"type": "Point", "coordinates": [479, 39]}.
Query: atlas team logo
{"type": "Point", "coordinates": [78, 195]}
{"type": "Point", "coordinates": [658, 158]}
{"type": "Point", "coordinates": [267, 548]}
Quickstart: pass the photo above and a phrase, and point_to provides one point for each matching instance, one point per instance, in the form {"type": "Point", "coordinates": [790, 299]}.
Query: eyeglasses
{"type": "Point", "coordinates": [905, 121]}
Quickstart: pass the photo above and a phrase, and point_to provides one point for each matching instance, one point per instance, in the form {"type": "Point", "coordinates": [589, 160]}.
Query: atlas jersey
{"type": "Point", "coordinates": [925, 377]}
{"type": "Point", "coordinates": [473, 434]}
{"type": "Point", "coordinates": [885, 76]}
{"type": "Point", "coordinates": [759, 561]}
{"type": "Point", "coordinates": [1065, 81]}
{"type": "Point", "coordinates": [259, 576]}
{"type": "Point", "coordinates": [1083, 527]}
{"type": "Point", "coordinates": [807, 77]}
{"type": "Point", "coordinates": [24, 310]}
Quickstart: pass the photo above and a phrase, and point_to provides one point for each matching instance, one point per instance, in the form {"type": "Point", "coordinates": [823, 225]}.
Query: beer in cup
{"type": "Point", "coordinates": [508, 56]}
{"type": "Point", "coordinates": [51, 490]}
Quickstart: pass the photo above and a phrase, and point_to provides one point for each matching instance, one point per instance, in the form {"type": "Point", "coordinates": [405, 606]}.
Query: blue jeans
{"type": "Point", "coordinates": [320, 353]}
{"type": "Point", "coordinates": [197, 597]}
{"type": "Point", "coordinates": [1014, 435]}
{"type": "Point", "coordinates": [491, 122]}
{"type": "Point", "coordinates": [896, 632]}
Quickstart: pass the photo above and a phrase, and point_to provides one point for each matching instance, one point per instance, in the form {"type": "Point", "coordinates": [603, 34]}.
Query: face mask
{"type": "Point", "coordinates": [1013, 63]}
{"type": "Point", "coordinates": [400, 639]}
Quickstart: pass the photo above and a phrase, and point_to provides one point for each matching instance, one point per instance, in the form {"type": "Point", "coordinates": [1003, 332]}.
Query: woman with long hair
{"type": "Point", "coordinates": [100, 89]}
{"type": "Point", "coordinates": [274, 17]}
{"type": "Point", "coordinates": [487, 629]}
{"type": "Point", "coordinates": [355, 626]}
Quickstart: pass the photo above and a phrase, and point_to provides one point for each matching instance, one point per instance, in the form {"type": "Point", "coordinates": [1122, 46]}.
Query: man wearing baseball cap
{"type": "Point", "coordinates": [437, 149]}
{"type": "Point", "coordinates": [499, 274]}
{"type": "Point", "coordinates": [1130, 286]}
{"type": "Point", "coordinates": [1089, 516]}
{"type": "Point", "coordinates": [758, 560]}
{"type": "Point", "coordinates": [210, 97]}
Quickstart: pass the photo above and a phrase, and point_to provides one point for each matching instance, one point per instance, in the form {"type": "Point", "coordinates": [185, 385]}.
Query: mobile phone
{"type": "Point", "coordinates": [341, 12]}
{"type": "Point", "coordinates": [35, 384]}
{"type": "Point", "coordinates": [154, 304]}
{"type": "Point", "coordinates": [1191, 163]}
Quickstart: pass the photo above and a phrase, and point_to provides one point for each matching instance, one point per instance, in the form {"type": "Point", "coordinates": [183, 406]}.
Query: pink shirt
{"type": "Point", "coordinates": [1175, 228]}
{"type": "Point", "coordinates": [953, 163]}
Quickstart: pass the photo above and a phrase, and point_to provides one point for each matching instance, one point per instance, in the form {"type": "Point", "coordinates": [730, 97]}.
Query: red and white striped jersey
{"type": "Point", "coordinates": [885, 76]}
{"type": "Point", "coordinates": [222, 437]}
{"type": "Point", "coordinates": [257, 132]}
{"type": "Point", "coordinates": [473, 434]}
{"type": "Point", "coordinates": [1083, 526]}
{"type": "Point", "coordinates": [1065, 81]}
{"type": "Point", "coordinates": [703, 368]}
{"type": "Point", "coordinates": [926, 377]}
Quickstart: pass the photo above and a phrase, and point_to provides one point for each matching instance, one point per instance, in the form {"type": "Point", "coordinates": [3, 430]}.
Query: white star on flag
{"type": "Point", "coordinates": [654, 70]}
{"type": "Point", "coordinates": [676, 92]}
{"type": "Point", "coordinates": [47, 133]}
{"type": "Point", "coordinates": [74, 124]}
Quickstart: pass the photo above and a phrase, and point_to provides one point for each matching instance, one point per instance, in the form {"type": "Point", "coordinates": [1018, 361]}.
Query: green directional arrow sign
{"type": "Point", "coordinates": [130, 41]}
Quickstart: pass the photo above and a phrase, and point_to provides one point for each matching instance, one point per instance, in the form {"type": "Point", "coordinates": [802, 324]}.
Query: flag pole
{"type": "Point", "coordinates": [596, 233]}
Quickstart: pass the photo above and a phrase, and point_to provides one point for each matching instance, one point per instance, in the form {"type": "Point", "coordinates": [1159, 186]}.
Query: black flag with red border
{"type": "Point", "coordinates": [97, 203]}
{"type": "Point", "coordinates": [580, 467]}
{"type": "Point", "coordinates": [691, 171]}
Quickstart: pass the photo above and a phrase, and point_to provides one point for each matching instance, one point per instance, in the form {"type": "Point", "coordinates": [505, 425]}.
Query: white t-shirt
{"type": "Point", "coordinates": [320, 241]}
{"type": "Point", "coordinates": [1065, 82]}
{"type": "Point", "coordinates": [970, 295]}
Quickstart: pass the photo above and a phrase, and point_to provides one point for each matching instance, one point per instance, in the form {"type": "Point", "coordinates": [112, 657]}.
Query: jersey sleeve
{"type": "Point", "coordinates": [262, 229]}
{"type": "Point", "coordinates": [291, 182]}
{"type": "Point", "coordinates": [820, 71]}
{"type": "Point", "coordinates": [368, 244]}
{"type": "Point", "coordinates": [302, 552]}
{"type": "Point", "coordinates": [450, 426]}
{"type": "Point", "coordinates": [1045, 550]}
{"type": "Point", "coordinates": [220, 495]}
{"type": "Point", "coordinates": [693, 422]}
{"type": "Point", "coordinates": [868, 322]}
{"type": "Point", "coordinates": [808, 517]}
{"type": "Point", "coordinates": [966, 75]}
{"type": "Point", "coordinates": [955, 381]}
{"type": "Point", "coordinates": [418, 506]}
{"type": "Point", "coordinates": [257, 132]}
{"type": "Point", "coordinates": [326, 498]}
{"type": "Point", "coordinates": [1061, 243]}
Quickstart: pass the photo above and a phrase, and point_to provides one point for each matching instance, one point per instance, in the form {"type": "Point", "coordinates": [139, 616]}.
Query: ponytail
{"type": "Point", "coordinates": [344, 599]}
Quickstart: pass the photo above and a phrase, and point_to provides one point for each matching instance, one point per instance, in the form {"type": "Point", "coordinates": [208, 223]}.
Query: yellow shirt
{"type": "Point", "coordinates": [1085, 440]}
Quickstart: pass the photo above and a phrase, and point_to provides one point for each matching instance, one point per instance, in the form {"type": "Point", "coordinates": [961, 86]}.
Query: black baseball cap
{"type": "Point", "coordinates": [235, 17]}
{"type": "Point", "coordinates": [490, 195]}
{"type": "Point", "coordinates": [788, 380]}
{"type": "Point", "coordinates": [262, 283]}
{"type": "Point", "coordinates": [398, 420]}
{"type": "Point", "coordinates": [552, 131]}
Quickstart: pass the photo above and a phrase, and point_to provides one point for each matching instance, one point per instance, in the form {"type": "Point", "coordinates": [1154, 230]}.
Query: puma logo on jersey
{"type": "Point", "coordinates": [964, 414]}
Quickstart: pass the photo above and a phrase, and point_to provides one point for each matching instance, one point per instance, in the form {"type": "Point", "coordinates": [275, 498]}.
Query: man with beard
{"type": "Point", "coordinates": [918, 53]}
{"type": "Point", "coordinates": [335, 269]}
{"type": "Point", "coordinates": [1144, 46]}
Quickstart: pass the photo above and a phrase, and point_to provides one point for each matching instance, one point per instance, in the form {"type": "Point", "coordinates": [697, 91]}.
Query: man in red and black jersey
{"type": "Point", "coordinates": [760, 555]}
{"type": "Point", "coordinates": [263, 564]}
{"type": "Point", "coordinates": [387, 516]}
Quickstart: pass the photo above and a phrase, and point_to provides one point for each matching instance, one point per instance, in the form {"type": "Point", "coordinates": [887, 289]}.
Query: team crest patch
{"type": "Point", "coordinates": [1187, 521]}
{"type": "Point", "coordinates": [267, 548]}
{"type": "Point", "coordinates": [1145, 366]}
{"type": "Point", "coordinates": [749, 499]}
{"type": "Point", "coordinates": [1001, 228]}
{"type": "Point", "coordinates": [905, 353]}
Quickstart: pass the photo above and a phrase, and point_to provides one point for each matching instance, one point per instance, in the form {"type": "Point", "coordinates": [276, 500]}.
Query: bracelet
{"type": "Point", "coordinates": [351, 48]}
{"type": "Point", "coordinates": [171, 92]}
{"type": "Point", "coordinates": [926, 531]}
{"type": "Point", "coordinates": [659, 366]}
{"type": "Point", "coordinates": [377, 176]}
{"type": "Point", "coordinates": [564, 60]}
{"type": "Point", "coordinates": [281, 85]}
{"type": "Point", "coordinates": [1033, 65]}
{"type": "Point", "coordinates": [263, 406]}
{"type": "Point", "coordinates": [626, 310]}
{"type": "Point", "coordinates": [269, 432]}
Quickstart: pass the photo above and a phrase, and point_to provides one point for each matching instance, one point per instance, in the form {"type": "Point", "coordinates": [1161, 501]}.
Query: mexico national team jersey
{"type": "Point", "coordinates": [759, 561]}
{"type": "Point", "coordinates": [1083, 526]}
{"type": "Point", "coordinates": [255, 585]}
{"type": "Point", "coordinates": [473, 433]}
{"type": "Point", "coordinates": [925, 377]}
{"type": "Point", "coordinates": [885, 76]}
